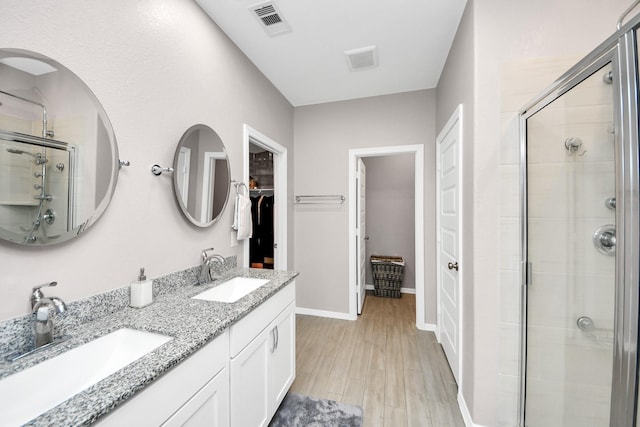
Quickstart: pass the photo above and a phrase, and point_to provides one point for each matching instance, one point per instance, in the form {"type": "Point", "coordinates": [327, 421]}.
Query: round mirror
{"type": "Point", "coordinates": [58, 153]}
{"type": "Point", "coordinates": [201, 178]}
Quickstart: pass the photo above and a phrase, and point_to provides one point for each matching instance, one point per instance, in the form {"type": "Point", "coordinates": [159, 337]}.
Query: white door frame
{"type": "Point", "coordinates": [252, 136]}
{"type": "Point", "coordinates": [182, 174]}
{"type": "Point", "coordinates": [454, 121]}
{"type": "Point", "coordinates": [354, 154]}
{"type": "Point", "coordinates": [361, 217]}
{"type": "Point", "coordinates": [208, 178]}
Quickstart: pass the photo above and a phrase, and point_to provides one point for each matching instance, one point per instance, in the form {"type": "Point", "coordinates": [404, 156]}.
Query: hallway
{"type": "Point", "coordinates": [381, 362]}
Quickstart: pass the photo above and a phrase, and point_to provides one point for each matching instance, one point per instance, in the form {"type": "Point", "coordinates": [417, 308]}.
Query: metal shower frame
{"type": "Point", "coordinates": [621, 50]}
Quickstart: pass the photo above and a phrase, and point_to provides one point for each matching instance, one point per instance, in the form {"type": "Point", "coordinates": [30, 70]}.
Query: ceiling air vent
{"type": "Point", "coordinates": [362, 58]}
{"type": "Point", "coordinates": [270, 18]}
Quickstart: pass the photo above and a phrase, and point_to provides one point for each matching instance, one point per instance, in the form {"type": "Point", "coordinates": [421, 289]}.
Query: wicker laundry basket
{"type": "Point", "coordinates": [388, 273]}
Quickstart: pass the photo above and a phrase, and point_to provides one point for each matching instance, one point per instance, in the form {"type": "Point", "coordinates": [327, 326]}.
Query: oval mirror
{"type": "Point", "coordinates": [58, 153]}
{"type": "Point", "coordinates": [201, 177]}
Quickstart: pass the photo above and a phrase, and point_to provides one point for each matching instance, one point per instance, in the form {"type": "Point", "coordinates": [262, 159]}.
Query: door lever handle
{"type": "Point", "coordinates": [453, 266]}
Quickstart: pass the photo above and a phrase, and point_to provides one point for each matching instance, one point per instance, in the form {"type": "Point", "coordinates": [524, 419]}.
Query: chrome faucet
{"type": "Point", "coordinates": [206, 260]}
{"type": "Point", "coordinates": [41, 308]}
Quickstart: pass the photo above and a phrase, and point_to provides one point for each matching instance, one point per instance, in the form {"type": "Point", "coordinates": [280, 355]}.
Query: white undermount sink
{"type": "Point", "coordinates": [29, 393]}
{"type": "Point", "coordinates": [232, 290]}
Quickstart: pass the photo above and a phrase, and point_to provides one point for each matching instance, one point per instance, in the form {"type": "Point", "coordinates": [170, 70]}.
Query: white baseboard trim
{"type": "Point", "coordinates": [466, 416]}
{"type": "Point", "coordinates": [323, 313]}
{"type": "Point", "coordinates": [427, 326]}
{"type": "Point", "coordinates": [402, 290]}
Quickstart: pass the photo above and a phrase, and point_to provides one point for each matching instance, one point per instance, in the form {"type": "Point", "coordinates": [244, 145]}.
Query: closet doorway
{"type": "Point", "coordinates": [265, 172]}
{"type": "Point", "coordinates": [354, 265]}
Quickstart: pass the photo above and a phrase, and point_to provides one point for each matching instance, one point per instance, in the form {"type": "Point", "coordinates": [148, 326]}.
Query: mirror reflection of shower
{"type": "Point", "coordinates": [37, 151]}
{"type": "Point", "coordinates": [40, 159]}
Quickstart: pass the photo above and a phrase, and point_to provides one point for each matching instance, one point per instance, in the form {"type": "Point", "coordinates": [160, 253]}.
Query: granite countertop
{"type": "Point", "coordinates": [191, 322]}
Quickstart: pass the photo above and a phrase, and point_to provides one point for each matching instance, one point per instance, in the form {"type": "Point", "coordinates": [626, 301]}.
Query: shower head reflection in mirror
{"type": "Point", "coordinates": [51, 188]}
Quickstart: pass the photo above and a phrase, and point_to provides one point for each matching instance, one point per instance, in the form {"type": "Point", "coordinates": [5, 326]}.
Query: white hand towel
{"type": "Point", "coordinates": [242, 218]}
{"type": "Point", "coordinates": [235, 213]}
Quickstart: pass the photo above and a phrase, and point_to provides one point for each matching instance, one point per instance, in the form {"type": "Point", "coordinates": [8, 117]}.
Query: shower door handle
{"type": "Point", "coordinates": [453, 266]}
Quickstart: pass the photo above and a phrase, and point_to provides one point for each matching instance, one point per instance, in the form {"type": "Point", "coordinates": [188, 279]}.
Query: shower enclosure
{"type": "Point", "coordinates": [580, 246]}
{"type": "Point", "coordinates": [36, 174]}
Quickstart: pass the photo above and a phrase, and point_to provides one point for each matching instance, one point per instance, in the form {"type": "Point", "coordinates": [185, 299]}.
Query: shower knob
{"type": "Point", "coordinates": [610, 203]}
{"type": "Point", "coordinates": [49, 216]}
{"type": "Point", "coordinates": [604, 239]}
{"type": "Point", "coordinates": [585, 323]}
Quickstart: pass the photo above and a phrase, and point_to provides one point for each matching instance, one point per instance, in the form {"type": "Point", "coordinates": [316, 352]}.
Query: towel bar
{"type": "Point", "coordinates": [318, 199]}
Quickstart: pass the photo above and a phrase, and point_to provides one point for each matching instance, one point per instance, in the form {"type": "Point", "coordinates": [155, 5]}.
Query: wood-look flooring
{"type": "Point", "coordinates": [381, 362]}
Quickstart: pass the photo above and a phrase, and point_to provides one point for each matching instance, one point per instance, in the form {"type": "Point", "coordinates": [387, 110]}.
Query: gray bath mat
{"type": "Point", "coordinates": [299, 411]}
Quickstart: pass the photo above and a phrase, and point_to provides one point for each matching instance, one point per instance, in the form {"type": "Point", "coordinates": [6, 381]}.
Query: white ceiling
{"type": "Point", "coordinates": [308, 64]}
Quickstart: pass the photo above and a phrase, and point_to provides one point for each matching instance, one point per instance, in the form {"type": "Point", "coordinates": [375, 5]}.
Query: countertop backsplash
{"type": "Point", "coordinates": [17, 333]}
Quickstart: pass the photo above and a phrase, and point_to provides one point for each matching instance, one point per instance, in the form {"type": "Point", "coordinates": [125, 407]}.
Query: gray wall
{"type": "Point", "coordinates": [324, 134]}
{"type": "Point", "coordinates": [390, 211]}
{"type": "Point", "coordinates": [456, 86]}
{"type": "Point", "coordinates": [155, 77]}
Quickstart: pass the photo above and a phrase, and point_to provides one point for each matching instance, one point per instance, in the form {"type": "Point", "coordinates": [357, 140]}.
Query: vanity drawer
{"type": "Point", "coordinates": [247, 328]}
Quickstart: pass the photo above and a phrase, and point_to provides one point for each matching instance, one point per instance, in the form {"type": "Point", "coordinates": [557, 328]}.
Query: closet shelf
{"type": "Point", "coordinates": [265, 191]}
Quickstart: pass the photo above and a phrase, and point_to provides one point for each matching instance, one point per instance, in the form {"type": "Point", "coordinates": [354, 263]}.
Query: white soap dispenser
{"type": "Point", "coordinates": [141, 291]}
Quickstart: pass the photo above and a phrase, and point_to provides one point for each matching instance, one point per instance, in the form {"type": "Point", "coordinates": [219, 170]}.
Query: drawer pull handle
{"type": "Point", "coordinates": [273, 340]}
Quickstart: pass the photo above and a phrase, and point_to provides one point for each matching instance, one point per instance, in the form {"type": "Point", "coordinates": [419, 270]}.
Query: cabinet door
{"type": "Point", "coordinates": [283, 358]}
{"type": "Point", "coordinates": [250, 404]}
{"type": "Point", "coordinates": [160, 400]}
{"type": "Point", "coordinates": [208, 407]}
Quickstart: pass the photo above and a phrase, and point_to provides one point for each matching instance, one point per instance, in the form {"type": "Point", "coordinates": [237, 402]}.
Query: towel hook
{"type": "Point", "coordinates": [239, 185]}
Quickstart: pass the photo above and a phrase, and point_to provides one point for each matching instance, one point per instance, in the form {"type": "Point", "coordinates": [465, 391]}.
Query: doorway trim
{"type": "Point", "coordinates": [252, 136]}
{"type": "Point", "coordinates": [418, 152]}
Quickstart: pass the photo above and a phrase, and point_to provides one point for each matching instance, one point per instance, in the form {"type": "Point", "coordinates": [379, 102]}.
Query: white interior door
{"type": "Point", "coordinates": [361, 177]}
{"type": "Point", "coordinates": [449, 247]}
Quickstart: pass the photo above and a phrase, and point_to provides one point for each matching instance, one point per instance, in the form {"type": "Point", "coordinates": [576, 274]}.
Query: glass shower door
{"type": "Point", "coordinates": [571, 251]}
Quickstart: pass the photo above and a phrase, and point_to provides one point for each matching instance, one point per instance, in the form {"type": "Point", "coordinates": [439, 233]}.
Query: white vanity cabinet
{"type": "Point", "coordinates": [238, 379]}
{"type": "Point", "coordinates": [262, 368]}
{"type": "Point", "coordinates": [193, 393]}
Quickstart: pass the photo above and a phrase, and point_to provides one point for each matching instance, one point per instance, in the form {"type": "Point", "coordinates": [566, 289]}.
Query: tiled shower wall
{"type": "Point", "coordinates": [521, 81]}
{"type": "Point", "coordinates": [569, 373]}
